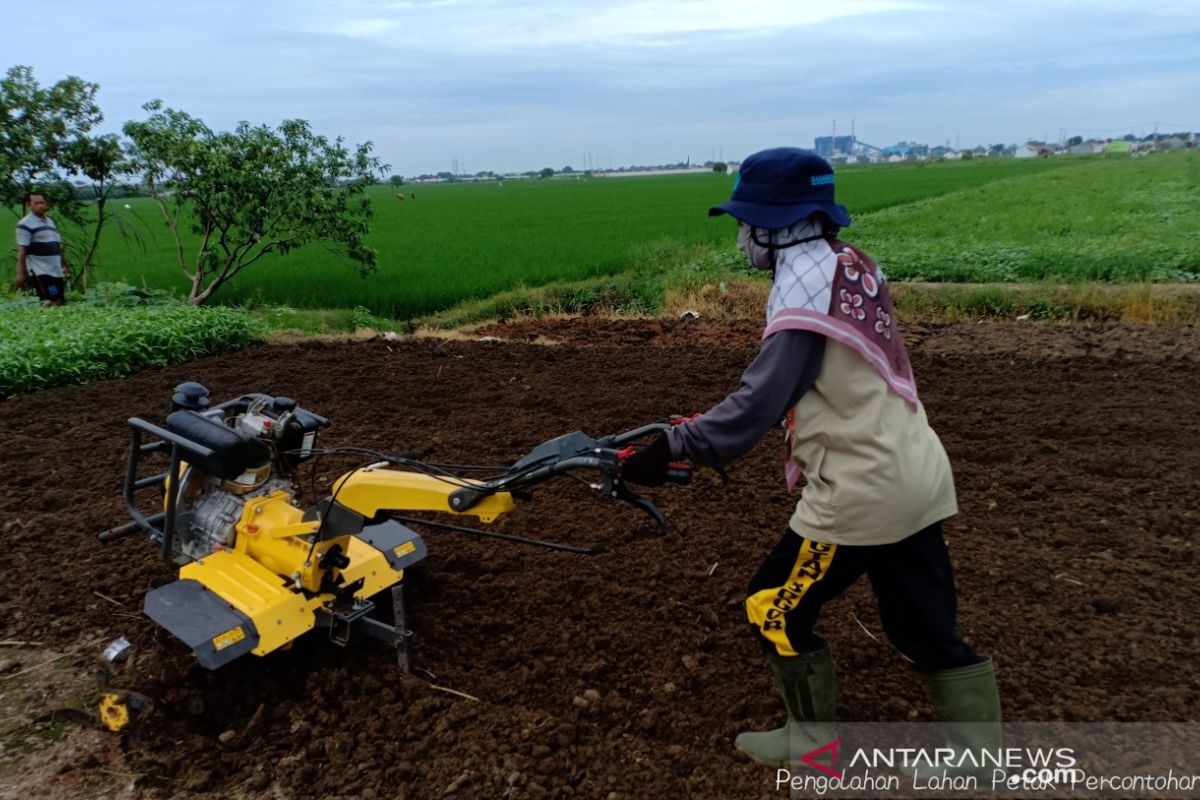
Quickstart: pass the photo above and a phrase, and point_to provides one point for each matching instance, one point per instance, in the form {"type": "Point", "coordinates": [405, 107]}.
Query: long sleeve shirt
{"type": "Point", "coordinates": [785, 368]}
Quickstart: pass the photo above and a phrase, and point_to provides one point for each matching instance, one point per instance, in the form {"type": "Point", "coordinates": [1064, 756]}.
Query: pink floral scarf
{"type": "Point", "coordinates": [832, 288]}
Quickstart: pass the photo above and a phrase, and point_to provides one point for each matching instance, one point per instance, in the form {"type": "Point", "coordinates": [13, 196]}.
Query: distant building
{"type": "Point", "coordinates": [1086, 148]}
{"type": "Point", "coordinates": [1033, 150]}
{"type": "Point", "coordinates": [907, 151]}
{"type": "Point", "coordinates": [830, 146]}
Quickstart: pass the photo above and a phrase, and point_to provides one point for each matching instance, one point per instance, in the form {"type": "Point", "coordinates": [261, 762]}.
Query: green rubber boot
{"type": "Point", "coordinates": [806, 682]}
{"type": "Point", "coordinates": [968, 704]}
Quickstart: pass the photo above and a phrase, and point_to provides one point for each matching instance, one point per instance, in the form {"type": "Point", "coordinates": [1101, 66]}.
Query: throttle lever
{"type": "Point", "coordinates": [621, 491]}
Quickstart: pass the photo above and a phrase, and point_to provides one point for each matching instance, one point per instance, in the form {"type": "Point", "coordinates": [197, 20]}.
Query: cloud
{"type": "Point", "coordinates": [511, 84]}
{"type": "Point", "coordinates": [365, 28]}
{"type": "Point", "coordinates": [488, 25]}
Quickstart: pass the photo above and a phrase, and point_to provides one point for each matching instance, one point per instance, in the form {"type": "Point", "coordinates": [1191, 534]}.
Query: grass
{"type": "Point", "coordinates": [1081, 238]}
{"type": "Point", "coordinates": [1120, 221]}
{"type": "Point", "coordinates": [455, 243]}
{"type": "Point", "coordinates": [27, 702]}
{"type": "Point", "coordinates": [1071, 302]}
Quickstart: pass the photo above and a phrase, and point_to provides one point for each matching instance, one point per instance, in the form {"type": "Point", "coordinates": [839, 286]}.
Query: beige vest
{"type": "Point", "coordinates": [875, 471]}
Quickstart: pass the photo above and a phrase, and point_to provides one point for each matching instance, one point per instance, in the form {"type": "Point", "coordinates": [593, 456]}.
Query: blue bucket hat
{"type": "Point", "coordinates": [779, 187]}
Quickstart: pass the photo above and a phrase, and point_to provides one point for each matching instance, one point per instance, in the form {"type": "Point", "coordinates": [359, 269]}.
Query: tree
{"type": "Point", "coordinates": [36, 125]}
{"type": "Point", "coordinates": [252, 191]}
{"type": "Point", "coordinates": [1074, 141]}
{"type": "Point", "coordinates": [720, 166]}
{"type": "Point", "coordinates": [101, 160]}
{"type": "Point", "coordinates": [397, 181]}
{"type": "Point", "coordinates": [547, 172]}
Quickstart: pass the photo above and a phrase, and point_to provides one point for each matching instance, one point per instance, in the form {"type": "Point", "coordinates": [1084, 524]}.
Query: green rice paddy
{"type": "Point", "coordinates": [992, 219]}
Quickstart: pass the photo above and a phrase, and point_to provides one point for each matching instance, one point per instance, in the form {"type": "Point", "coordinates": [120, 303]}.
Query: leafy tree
{"type": "Point", "coordinates": [252, 191]}
{"type": "Point", "coordinates": [101, 160]}
{"type": "Point", "coordinates": [547, 172]}
{"type": "Point", "coordinates": [567, 170]}
{"type": "Point", "coordinates": [1074, 141]}
{"type": "Point", "coordinates": [36, 125]}
{"type": "Point", "coordinates": [720, 166]}
{"type": "Point", "coordinates": [397, 181]}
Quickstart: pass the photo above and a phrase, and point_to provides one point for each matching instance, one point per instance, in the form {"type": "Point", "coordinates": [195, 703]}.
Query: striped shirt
{"type": "Point", "coordinates": [43, 246]}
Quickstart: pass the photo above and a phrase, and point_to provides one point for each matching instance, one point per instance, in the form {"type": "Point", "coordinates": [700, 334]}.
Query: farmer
{"type": "Point", "coordinates": [40, 254]}
{"type": "Point", "coordinates": [834, 368]}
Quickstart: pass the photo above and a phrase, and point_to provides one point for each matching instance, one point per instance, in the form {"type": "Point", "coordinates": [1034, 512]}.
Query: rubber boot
{"type": "Point", "coordinates": [806, 682]}
{"type": "Point", "coordinates": [968, 704]}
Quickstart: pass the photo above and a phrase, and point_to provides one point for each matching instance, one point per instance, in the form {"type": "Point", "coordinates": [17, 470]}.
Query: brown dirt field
{"type": "Point", "coordinates": [627, 675]}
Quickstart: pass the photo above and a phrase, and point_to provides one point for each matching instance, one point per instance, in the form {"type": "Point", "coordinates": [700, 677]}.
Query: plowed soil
{"type": "Point", "coordinates": [625, 675]}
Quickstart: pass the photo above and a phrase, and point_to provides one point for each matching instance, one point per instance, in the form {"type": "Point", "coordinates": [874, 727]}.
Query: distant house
{"type": "Point", "coordinates": [1033, 150]}
{"type": "Point", "coordinates": [908, 151]}
{"type": "Point", "coordinates": [1086, 148]}
{"type": "Point", "coordinates": [944, 152]}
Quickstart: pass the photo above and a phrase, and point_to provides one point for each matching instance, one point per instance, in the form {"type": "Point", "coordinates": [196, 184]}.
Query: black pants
{"type": "Point", "coordinates": [49, 289]}
{"type": "Point", "coordinates": [913, 583]}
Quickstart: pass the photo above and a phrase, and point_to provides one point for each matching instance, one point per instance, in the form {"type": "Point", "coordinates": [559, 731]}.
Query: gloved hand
{"type": "Point", "coordinates": [648, 465]}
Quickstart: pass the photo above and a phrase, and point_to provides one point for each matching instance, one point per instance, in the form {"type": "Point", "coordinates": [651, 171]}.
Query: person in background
{"type": "Point", "coordinates": [833, 368]}
{"type": "Point", "coordinates": [40, 256]}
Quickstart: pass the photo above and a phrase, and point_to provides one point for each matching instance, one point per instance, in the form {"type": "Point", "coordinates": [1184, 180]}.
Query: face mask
{"type": "Point", "coordinates": [759, 257]}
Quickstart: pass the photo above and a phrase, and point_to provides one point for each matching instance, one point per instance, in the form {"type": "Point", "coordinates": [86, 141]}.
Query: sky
{"type": "Point", "coordinates": [514, 85]}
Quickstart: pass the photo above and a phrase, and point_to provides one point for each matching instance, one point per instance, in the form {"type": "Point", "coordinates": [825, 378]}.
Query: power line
{"type": "Point", "coordinates": [1132, 127]}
